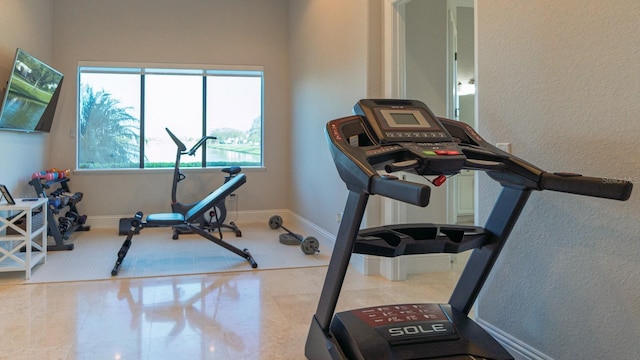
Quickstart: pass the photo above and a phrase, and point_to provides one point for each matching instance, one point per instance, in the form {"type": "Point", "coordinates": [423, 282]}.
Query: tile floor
{"type": "Point", "coordinates": [244, 315]}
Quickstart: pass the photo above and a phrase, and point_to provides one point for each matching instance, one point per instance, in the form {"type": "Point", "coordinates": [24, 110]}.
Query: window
{"type": "Point", "coordinates": [123, 112]}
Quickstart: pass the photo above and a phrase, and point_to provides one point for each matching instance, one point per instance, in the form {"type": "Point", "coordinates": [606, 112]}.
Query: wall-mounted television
{"type": "Point", "coordinates": [32, 95]}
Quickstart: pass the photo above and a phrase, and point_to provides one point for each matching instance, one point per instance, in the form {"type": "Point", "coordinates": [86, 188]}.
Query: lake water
{"type": "Point", "coordinates": [165, 151]}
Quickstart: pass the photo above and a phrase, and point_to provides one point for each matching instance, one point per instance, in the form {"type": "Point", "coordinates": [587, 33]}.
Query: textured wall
{"type": "Point", "coordinates": [559, 80]}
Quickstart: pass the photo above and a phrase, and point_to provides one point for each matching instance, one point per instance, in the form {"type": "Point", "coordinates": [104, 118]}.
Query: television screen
{"type": "Point", "coordinates": [31, 96]}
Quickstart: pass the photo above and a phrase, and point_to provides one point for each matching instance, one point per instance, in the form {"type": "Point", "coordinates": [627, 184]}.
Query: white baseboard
{"type": "Point", "coordinates": [312, 229]}
{"type": "Point", "coordinates": [365, 264]}
{"type": "Point", "coordinates": [518, 349]}
{"type": "Point", "coordinates": [397, 268]}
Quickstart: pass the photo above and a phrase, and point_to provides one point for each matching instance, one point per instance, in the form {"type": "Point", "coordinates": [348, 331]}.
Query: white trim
{"type": "Point", "coordinates": [518, 349]}
{"type": "Point", "coordinates": [365, 264]}
{"type": "Point", "coordinates": [311, 228]}
{"type": "Point", "coordinates": [394, 48]}
{"type": "Point", "coordinates": [397, 268]}
{"type": "Point", "coordinates": [451, 68]}
{"type": "Point", "coordinates": [465, 3]}
{"type": "Point", "coordinates": [160, 171]}
{"type": "Point", "coordinates": [152, 65]}
{"type": "Point", "coordinates": [452, 102]}
{"type": "Point", "coordinates": [394, 67]}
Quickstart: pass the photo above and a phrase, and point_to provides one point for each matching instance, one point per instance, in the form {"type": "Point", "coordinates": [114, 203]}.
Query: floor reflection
{"type": "Point", "coordinates": [195, 307]}
{"type": "Point", "coordinates": [245, 315]}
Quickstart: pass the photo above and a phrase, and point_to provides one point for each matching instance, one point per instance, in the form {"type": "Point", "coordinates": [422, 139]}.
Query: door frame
{"type": "Point", "coordinates": [394, 71]}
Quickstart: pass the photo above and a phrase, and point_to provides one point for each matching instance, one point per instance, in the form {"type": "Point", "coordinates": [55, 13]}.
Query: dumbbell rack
{"type": "Point", "coordinates": [53, 227]}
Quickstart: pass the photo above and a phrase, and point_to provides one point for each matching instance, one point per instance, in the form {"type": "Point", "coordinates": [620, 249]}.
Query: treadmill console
{"type": "Point", "coordinates": [408, 129]}
{"type": "Point", "coordinates": [395, 121]}
{"type": "Point", "coordinates": [393, 135]}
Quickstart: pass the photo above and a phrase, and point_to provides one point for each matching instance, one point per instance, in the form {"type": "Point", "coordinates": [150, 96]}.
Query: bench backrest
{"type": "Point", "coordinates": [215, 197]}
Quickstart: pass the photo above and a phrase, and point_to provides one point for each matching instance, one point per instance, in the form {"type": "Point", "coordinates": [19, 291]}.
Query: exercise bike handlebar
{"type": "Point", "coordinates": [183, 149]}
{"type": "Point", "coordinates": [179, 143]}
{"type": "Point", "coordinates": [200, 142]}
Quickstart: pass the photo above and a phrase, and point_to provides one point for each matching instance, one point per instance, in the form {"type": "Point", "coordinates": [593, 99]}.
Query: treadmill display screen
{"type": "Point", "coordinates": [404, 118]}
{"type": "Point", "coordinates": [396, 121]}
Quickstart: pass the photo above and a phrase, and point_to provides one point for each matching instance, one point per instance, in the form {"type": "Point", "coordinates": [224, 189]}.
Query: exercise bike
{"type": "Point", "coordinates": [212, 219]}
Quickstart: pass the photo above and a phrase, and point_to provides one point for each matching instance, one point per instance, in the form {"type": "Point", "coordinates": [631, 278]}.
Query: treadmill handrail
{"type": "Point", "coordinates": [505, 168]}
{"type": "Point", "coordinates": [402, 190]}
{"type": "Point", "coordinates": [586, 185]}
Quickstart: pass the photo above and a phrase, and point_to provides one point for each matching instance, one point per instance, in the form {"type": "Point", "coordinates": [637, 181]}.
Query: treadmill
{"type": "Point", "coordinates": [386, 136]}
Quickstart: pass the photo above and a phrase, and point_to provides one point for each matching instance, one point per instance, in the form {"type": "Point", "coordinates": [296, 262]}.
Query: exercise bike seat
{"type": "Point", "coordinates": [232, 170]}
{"type": "Point", "coordinates": [200, 208]}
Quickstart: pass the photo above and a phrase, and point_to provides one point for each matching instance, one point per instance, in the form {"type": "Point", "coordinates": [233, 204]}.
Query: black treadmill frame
{"type": "Point", "coordinates": [505, 213]}
{"type": "Point", "coordinates": [517, 178]}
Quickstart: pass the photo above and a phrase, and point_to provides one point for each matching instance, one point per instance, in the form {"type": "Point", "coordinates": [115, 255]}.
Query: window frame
{"type": "Point", "coordinates": [142, 69]}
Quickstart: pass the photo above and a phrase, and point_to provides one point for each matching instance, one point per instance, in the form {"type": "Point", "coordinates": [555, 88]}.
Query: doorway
{"type": "Point", "coordinates": [430, 57]}
{"type": "Point", "coordinates": [424, 59]}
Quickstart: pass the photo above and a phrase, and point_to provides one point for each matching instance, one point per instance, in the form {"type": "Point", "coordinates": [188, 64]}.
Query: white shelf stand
{"type": "Point", "coordinates": [23, 235]}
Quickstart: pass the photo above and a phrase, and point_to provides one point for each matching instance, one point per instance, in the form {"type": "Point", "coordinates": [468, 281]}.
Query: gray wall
{"type": "Point", "coordinates": [333, 65]}
{"type": "Point", "coordinates": [237, 32]}
{"type": "Point", "coordinates": [557, 79]}
{"type": "Point", "coordinates": [220, 32]}
{"type": "Point", "coordinates": [25, 24]}
{"type": "Point", "coordinates": [426, 80]}
{"type": "Point", "coordinates": [560, 80]}
{"type": "Point", "coordinates": [426, 53]}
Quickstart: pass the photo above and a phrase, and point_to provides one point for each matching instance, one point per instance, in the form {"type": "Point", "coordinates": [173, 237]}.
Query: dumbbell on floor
{"type": "Point", "coordinates": [308, 245]}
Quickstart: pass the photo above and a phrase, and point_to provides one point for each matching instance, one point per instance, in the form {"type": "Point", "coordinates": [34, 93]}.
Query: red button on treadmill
{"type": "Point", "coordinates": [447, 152]}
{"type": "Point", "coordinates": [439, 180]}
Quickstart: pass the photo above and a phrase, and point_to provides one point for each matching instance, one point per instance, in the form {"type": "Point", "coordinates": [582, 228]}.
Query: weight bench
{"type": "Point", "coordinates": [188, 220]}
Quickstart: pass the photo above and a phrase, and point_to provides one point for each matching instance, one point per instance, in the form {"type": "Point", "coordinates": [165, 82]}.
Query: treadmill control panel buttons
{"type": "Point", "coordinates": [408, 323]}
